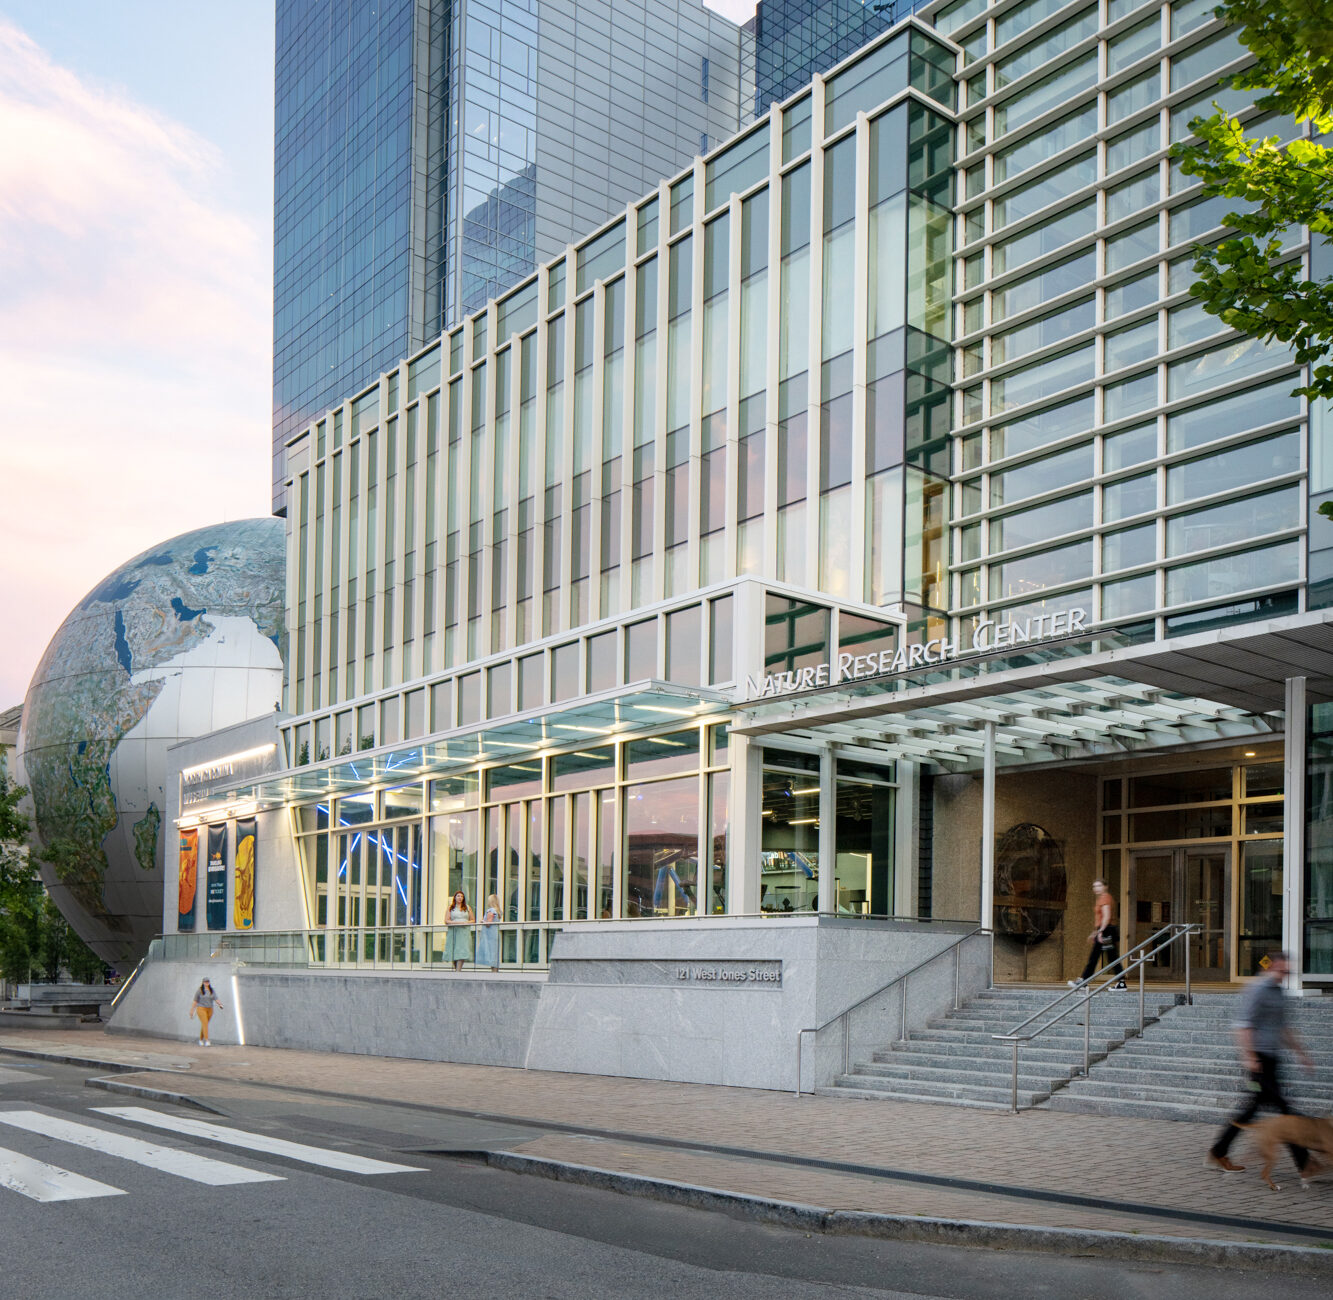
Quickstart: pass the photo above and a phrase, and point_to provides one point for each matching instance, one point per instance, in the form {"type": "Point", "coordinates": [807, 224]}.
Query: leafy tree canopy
{"type": "Point", "coordinates": [1243, 280]}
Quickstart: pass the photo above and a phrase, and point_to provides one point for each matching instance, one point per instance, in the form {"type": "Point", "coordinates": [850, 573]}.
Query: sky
{"type": "Point", "coordinates": [136, 256]}
{"type": "Point", "coordinates": [136, 210]}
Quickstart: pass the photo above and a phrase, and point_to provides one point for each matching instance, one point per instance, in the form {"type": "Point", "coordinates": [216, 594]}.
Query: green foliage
{"type": "Point", "coordinates": [1243, 280]}
{"type": "Point", "coordinates": [35, 940]}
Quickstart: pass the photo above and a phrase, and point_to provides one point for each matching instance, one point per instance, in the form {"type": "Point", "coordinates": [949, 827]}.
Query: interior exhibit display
{"type": "Point", "coordinates": [184, 639]}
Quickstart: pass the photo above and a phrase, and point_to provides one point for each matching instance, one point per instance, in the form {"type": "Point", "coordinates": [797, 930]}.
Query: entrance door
{"type": "Point", "coordinates": [1183, 884]}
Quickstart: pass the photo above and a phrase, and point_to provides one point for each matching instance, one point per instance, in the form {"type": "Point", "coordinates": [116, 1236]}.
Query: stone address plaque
{"type": "Point", "coordinates": [659, 973]}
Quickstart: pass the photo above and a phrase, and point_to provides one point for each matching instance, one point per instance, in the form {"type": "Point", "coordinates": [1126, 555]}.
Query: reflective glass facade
{"type": "Point", "coordinates": [792, 40]}
{"type": "Point", "coordinates": [342, 202]}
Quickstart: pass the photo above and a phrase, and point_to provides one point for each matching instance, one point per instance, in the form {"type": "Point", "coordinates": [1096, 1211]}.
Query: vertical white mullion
{"type": "Point", "coordinates": [695, 436]}
{"type": "Point", "coordinates": [617, 835]}
{"type": "Point", "coordinates": [561, 621]}
{"type": "Point", "coordinates": [814, 394]}
{"type": "Point", "coordinates": [350, 689]}
{"type": "Point", "coordinates": [597, 458]}
{"type": "Point", "coordinates": [510, 612]}
{"type": "Point", "coordinates": [628, 389]}
{"type": "Point", "coordinates": [731, 475]}
{"type": "Point", "coordinates": [772, 372]}
{"type": "Point", "coordinates": [326, 584]}
{"type": "Point", "coordinates": [539, 456]}
{"type": "Point", "coordinates": [420, 665]}
{"type": "Point", "coordinates": [487, 490]}
{"type": "Point", "coordinates": [464, 496]}
{"type": "Point", "coordinates": [399, 540]}
{"type": "Point", "coordinates": [356, 450]}
{"type": "Point", "coordinates": [703, 884]}
{"type": "Point", "coordinates": [383, 541]}
{"type": "Point", "coordinates": [658, 439]}
{"type": "Point", "coordinates": [860, 525]}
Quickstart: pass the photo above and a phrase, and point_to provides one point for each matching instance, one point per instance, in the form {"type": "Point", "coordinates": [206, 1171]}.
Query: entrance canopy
{"type": "Point", "coordinates": [1075, 699]}
{"type": "Point", "coordinates": [591, 720]}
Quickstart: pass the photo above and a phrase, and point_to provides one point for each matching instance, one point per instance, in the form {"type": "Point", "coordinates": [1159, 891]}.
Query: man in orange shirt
{"type": "Point", "coordinates": [1105, 938]}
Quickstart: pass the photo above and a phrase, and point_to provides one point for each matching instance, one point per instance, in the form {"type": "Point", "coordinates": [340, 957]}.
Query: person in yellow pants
{"type": "Point", "coordinates": [204, 1004]}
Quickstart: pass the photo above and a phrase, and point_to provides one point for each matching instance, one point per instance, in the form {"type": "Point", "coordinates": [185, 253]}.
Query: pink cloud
{"type": "Point", "coordinates": [135, 342]}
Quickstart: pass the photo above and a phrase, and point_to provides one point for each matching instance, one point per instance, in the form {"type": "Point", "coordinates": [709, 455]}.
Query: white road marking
{"type": "Point", "coordinates": [342, 1160]}
{"type": "Point", "coordinates": [43, 1182]}
{"type": "Point", "coordinates": [20, 1076]}
{"type": "Point", "coordinates": [168, 1160]}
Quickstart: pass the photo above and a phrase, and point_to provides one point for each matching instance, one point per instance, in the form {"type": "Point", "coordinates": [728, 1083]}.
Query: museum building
{"type": "Point", "coordinates": [861, 543]}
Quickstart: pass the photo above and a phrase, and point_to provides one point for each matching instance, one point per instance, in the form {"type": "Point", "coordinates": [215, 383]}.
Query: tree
{"type": "Point", "coordinates": [34, 937]}
{"type": "Point", "coordinates": [1244, 280]}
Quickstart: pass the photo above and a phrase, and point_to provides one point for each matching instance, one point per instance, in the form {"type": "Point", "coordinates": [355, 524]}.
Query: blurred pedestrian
{"type": "Point", "coordinates": [1261, 1033]}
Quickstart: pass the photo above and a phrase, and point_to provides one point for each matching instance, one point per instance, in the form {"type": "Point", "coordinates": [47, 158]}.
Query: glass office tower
{"type": "Point", "coordinates": [428, 153]}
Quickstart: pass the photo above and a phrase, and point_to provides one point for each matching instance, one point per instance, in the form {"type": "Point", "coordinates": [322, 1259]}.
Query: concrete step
{"type": "Point", "coordinates": [42, 1020]}
{"type": "Point", "coordinates": [874, 1094]}
{"type": "Point", "coordinates": [1098, 1041]}
{"type": "Point", "coordinates": [925, 1090]}
{"type": "Point", "coordinates": [941, 1073]}
{"type": "Point", "coordinates": [1189, 1112]}
{"type": "Point", "coordinates": [993, 1052]}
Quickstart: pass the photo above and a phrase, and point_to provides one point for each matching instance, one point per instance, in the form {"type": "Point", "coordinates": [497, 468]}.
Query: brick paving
{"type": "Point", "coordinates": [1137, 1163]}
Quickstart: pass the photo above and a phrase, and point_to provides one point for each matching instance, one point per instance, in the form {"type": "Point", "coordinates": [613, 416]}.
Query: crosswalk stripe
{"type": "Point", "coordinates": [183, 1164]}
{"type": "Point", "coordinates": [341, 1160]}
{"type": "Point", "coordinates": [42, 1182]}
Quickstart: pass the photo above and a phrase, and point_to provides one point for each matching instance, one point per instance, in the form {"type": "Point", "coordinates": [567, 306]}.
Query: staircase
{"type": "Point", "coordinates": [1185, 1066]}
{"type": "Point", "coordinates": [955, 1060]}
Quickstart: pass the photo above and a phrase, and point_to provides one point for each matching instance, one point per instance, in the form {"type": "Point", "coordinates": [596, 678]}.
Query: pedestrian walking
{"type": "Point", "coordinates": [488, 940]}
{"type": "Point", "coordinates": [458, 937]}
{"type": "Point", "coordinates": [1261, 1032]}
{"type": "Point", "coordinates": [1105, 937]}
{"type": "Point", "coordinates": [204, 1004]}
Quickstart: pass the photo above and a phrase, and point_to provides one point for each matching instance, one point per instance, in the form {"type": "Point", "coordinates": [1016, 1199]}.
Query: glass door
{"type": "Point", "coordinates": [1183, 884]}
{"type": "Point", "coordinates": [1206, 879]}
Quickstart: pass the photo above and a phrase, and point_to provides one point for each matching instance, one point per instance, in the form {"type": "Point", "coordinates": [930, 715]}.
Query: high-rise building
{"type": "Point", "coordinates": [428, 153]}
{"type": "Point", "coordinates": [862, 524]}
{"type": "Point", "coordinates": [788, 42]}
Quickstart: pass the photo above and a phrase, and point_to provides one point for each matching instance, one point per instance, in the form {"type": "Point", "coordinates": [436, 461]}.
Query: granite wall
{"type": "Point", "coordinates": [718, 1001]}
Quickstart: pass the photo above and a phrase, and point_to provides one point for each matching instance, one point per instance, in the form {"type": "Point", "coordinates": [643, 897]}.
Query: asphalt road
{"type": "Point", "coordinates": [166, 1223]}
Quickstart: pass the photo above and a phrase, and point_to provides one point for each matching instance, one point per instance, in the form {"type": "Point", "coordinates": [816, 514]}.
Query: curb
{"type": "Point", "coordinates": [1286, 1260]}
{"type": "Point", "coordinates": [64, 1058]}
{"type": "Point", "coordinates": [152, 1094]}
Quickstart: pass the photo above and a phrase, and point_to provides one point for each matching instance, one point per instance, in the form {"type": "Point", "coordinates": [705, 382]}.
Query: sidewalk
{"type": "Point", "coordinates": [1036, 1169]}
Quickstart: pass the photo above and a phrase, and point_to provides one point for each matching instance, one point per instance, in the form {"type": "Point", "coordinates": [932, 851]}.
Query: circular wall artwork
{"type": "Point", "coordinates": [1030, 883]}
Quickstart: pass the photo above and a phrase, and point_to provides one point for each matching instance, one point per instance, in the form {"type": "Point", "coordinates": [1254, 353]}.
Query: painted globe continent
{"type": "Point", "coordinates": [182, 640]}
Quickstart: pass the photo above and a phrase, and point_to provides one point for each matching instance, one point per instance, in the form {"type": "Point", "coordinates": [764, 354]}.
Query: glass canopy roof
{"type": "Point", "coordinates": [640, 707]}
{"type": "Point", "coordinates": [1057, 721]}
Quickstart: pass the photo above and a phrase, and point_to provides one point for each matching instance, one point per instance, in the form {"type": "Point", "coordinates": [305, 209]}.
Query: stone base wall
{"type": "Point", "coordinates": [716, 1001]}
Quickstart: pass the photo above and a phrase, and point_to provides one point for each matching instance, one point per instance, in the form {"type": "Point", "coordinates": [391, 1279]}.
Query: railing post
{"type": "Point", "coordinates": [1087, 1032]}
{"type": "Point", "coordinates": [1189, 993]}
{"type": "Point", "coordinates": [799, 1039]}
{"type": "Point", "coordinates": [902, 1006]}
{"type": "Point", "coordinates": [846, 1042]}
{"type": "Point", "coordinates": [957, 966]}
{"type": "Point", "coordinates": [1141, 971]}
{"type": "Point", "coordinates": [1013, 1092]}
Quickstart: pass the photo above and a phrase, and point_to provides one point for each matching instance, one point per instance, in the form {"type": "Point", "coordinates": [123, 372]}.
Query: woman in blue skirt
{"type": "Point", "coordinates": [488, 939]}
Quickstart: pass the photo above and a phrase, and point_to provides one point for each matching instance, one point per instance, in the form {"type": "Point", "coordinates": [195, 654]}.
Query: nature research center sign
{"type": "Point", "coordinates": [988, 636]}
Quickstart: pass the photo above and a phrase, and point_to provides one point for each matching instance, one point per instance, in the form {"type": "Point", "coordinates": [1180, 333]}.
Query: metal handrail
{"type": "Point", "coordinates": [956, 948]}
{"type": "Point", "coordinates": [1084, 991]}
{"type": "Point", "coordinates": [125, 987]}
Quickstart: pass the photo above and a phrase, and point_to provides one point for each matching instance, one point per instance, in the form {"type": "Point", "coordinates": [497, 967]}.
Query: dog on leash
{"type": "Point", "coordinates": [1274, 1131]}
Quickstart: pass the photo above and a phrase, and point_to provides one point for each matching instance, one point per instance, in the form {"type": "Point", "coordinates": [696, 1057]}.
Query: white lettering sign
{"type": "Point", "coordinates": [988, 637]}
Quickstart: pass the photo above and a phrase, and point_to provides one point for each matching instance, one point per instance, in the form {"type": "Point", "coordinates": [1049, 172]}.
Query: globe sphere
{"type": "Point", "coordinates": [182, 640]}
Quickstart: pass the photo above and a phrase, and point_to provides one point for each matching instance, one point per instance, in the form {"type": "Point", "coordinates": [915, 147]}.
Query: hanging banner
{"type": "Point", "coordinates": [217, 878]}
{"type": "Point", "coordinates": [243, 898]}
{"type": "Point", "coordinates": [188, 880]}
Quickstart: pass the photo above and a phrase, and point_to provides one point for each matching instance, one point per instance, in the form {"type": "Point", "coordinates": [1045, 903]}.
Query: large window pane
{"type": "Point", "coordinates": [661, 848]}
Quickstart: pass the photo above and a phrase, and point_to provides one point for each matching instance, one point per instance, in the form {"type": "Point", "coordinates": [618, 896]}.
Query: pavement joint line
{"type": "Point", "coordinates": [1272, 1257]}
{"type": "Point", "coordinates": [153, 1094]}
{"type": "Point", "coordinates": [944, 1181]}
{"type": "Point", "coordinates": [90, 1062]}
